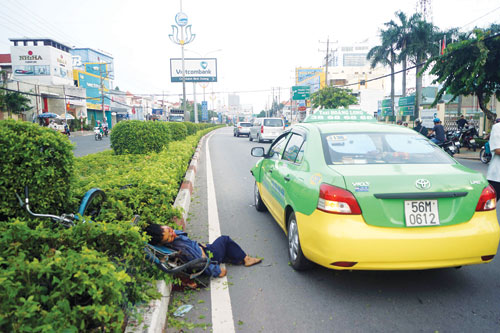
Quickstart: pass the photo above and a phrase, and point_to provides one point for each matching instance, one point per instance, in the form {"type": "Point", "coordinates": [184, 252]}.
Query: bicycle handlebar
{"type": "Point", "coordinates": [63, 218]}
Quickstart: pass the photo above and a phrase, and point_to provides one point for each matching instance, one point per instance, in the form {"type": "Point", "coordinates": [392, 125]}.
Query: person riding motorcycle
{"type": "Point", "coordinates": [420, 128]}
{"type": "Point", "coordinates": [99, 125]}
{"type": "Point", "coordinates": [439, 132]}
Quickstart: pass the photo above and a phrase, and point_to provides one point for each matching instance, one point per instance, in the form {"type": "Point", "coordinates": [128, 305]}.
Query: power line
{"type": "Point", "coordinates": [490, 12]}
{"type": "Point", "coordinates": [38, 24]}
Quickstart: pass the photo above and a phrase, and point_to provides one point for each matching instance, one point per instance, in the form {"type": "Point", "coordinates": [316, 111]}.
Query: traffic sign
{"type": "Point", "coordinates": [204, 111]}
{"type": "Point", "coordinates": [301, 92]}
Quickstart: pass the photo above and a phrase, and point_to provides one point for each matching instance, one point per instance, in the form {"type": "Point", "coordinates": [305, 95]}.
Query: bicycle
{"type": "Point", "coordinates": [167, 259]}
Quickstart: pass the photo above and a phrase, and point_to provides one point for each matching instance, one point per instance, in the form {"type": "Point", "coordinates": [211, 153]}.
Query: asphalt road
{"type": "Point", "coordinates": [87, 144]}
{"type": "Point", "coordinates": [272, 297]}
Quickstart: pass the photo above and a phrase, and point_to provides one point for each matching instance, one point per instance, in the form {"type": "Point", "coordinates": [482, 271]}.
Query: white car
{"type": "Point", "coordinates": [242, 128]}
{"type": "Point", "coordinates": [266, 129]}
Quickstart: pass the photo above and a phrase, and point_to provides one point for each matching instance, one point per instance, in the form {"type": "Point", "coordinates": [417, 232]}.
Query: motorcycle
{"type": "Point", "coordinates": [449, 147]}
{"type": "Point", "coordinates": [485, 154]}
{"type": "Point", "coordinates": [454, 136]}
{"type": "Point", "coordinates": [467, 137]}
{"type": "Point", "coordinates": [97, 134]}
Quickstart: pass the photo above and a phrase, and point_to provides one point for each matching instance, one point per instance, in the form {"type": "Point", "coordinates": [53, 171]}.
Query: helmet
{"type": "Point", "coordinates": [437, 120]}
{"type": "Point", "coordinates": [418, 121]}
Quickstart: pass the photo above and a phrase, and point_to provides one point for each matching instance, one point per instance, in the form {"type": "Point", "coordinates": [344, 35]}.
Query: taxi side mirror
{"type": "Point", "coordinates": [258, 151]}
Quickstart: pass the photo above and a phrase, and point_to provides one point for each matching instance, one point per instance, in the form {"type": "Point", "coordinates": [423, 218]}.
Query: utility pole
{"type": "Point", "coordinates": [327, 58]}
{"type": "Point", "coordinates": [102, 94]}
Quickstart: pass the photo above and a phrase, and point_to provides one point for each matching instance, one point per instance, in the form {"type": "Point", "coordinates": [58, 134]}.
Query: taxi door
{"type": "Point", "coordinates": [272, 192]}
{"type": "Point", "coordinates": [287, 174]}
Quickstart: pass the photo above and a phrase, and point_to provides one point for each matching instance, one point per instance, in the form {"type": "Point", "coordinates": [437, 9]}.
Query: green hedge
{"type": "Point", "coordinates": [192, 128]}
{"type": "Point", "coordinates": [88, 277]}
{"type": "Point", "coordinates": [139, 137]}
{"type": "Point", "coordinates": [39, 158]}
{"type": "Point", "coordinates": [178, 130]}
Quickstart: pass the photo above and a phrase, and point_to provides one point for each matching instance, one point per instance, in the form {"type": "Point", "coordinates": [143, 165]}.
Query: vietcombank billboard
{"type": "Point", "coordinates": [195, 70]}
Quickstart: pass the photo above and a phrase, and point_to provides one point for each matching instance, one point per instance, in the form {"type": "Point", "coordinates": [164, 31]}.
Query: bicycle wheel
{"type": "Point", "coordinates": [92, 203]}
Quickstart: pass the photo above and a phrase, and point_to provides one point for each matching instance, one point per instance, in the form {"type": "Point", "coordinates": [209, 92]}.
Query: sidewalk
{"type": "Point", "coordinates": [468, 154]}
{"type": "Point", "coordinates": [81, 133]}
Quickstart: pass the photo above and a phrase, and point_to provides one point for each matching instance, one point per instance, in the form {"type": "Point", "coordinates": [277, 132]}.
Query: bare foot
{"type": "Point", "coordinates": [223, 272]}
{"type": "Point", "coordinates": [250, 261]}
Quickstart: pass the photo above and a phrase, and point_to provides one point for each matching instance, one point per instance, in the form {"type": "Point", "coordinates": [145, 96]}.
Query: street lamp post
{"type": "Point", "coordinates": [181, 20]}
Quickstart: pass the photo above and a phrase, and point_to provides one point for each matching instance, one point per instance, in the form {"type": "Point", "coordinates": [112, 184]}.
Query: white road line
{"type": "Point", "coordinates": [222, 313]}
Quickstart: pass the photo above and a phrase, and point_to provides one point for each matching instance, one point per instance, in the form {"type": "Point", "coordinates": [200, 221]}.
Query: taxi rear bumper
{"type": "Point", "coordinates": [329, 238]}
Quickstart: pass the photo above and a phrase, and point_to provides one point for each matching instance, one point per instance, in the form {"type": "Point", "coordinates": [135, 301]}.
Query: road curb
{"type": "Point", "coordinates": [155, 313]}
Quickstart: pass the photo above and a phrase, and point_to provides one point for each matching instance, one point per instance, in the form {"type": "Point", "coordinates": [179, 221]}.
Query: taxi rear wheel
{"type": "Point", "coordinates": [297, 259]}
{"type": "Point", "coordinates": [259, 204]}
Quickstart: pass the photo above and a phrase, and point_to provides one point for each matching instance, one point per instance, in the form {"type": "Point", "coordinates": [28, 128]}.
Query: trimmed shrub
{"type": "Point", "coordinates": [39, 158]}
{"type": "Point", "coordinates": [77, 280]}
{"type": "Point", "coordinates": [139, 137]}
{"type": "Point", "coordinates": [178, 130]}
{"type": "Point", "coordinates": [192, 128]}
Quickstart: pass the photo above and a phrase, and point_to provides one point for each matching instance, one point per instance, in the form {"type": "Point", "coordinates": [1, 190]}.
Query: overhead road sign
{"type": "Point", "coordinates": [301, 92]}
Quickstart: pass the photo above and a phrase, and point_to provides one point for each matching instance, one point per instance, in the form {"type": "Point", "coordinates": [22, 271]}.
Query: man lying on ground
{"type": "Point", "coordinates": [222, 250]}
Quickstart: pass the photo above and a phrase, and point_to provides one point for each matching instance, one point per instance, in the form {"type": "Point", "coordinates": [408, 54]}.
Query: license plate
{"type": "Point", "coordinates": [421, 213]}
{"type": "Point", "coordinates": [472, 141]}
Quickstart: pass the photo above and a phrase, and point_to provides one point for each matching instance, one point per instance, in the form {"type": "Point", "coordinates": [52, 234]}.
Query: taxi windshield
{"type": "Point", "coordinates": [381, 148]}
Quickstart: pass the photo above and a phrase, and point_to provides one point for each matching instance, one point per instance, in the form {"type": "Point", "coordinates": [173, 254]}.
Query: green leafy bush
{"type": "Point", "coordinates": [39, 158]}
{"type": "Point", "coordinates": [178, 130]}
{"type": "Point", "coordinates": [139, 137]}
{"type": "Point", "coordinates": [192, 128]}
{"type": "Point", "coordinates": [78, 279]}
{"type": "Point", "coordinates": [89, 277]}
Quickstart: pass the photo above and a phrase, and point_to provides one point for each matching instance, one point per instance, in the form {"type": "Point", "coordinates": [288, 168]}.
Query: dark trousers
{"type": "Point", "coordinates": [496, 186]}
{"type": "Point", "coordinates": [224, 249]}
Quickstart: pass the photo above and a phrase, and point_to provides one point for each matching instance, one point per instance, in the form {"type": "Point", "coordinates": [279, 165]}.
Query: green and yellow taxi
{"type": "Point", "coordinates": [352, 193]}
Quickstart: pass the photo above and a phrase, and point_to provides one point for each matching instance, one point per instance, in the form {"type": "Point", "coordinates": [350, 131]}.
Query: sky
{"type": "Point", "coordinates": [258, 44]}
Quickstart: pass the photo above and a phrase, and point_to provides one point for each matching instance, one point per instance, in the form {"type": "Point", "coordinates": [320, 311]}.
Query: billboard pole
{"type": "Point", "coordinates": [181, 20]}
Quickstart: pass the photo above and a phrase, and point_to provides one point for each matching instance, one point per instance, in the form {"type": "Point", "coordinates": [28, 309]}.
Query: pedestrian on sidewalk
{"type": "Point", "coordinates": [493, 174]}
{"type": "Point", "coordinates": [222, 250]}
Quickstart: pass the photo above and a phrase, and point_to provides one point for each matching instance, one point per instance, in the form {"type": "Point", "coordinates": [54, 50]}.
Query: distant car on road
{"type": "Point", "coordinates": [266, 129]}
{"type": "Point", "coordinates": [360, 195]}
{"type": "Point", "coordinates": [242, 128]}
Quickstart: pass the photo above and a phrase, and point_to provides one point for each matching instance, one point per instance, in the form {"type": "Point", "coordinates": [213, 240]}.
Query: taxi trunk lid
{"type": "Point", "coordinates": [383, 191]}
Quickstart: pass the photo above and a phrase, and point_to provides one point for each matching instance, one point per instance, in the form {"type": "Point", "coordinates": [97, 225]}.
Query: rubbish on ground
{"type": "Point", "coordinates": [182, 310]}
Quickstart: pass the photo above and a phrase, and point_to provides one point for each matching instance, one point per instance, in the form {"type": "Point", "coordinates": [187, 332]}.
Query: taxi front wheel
{"type": "Point", "coordinates": [297, 259]}
{"type": "Point", "coordinates": [259, 204]}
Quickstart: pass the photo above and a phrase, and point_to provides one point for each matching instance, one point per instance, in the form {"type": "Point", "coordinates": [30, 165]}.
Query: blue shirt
{"type": "Point", "coordinates": [191, 250]}
{"type": "Point", "coordinates": [439, 131]}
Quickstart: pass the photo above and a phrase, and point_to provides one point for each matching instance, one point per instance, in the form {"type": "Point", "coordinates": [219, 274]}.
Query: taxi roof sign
{"type": "Point", "coordinates": [339, 115]}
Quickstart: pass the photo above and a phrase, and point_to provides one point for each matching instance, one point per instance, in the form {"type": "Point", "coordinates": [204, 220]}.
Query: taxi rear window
{"type": "Point", "coordinates": [381, 148]}
{"type": "Point", "coordinates": [273, 122]}
{"type": "Point", "coordinates": [246, 124]}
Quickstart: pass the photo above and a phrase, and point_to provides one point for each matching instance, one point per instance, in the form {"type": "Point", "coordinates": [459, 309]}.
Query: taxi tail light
{"type": "Point", "coordinates": [262, 129]}
{"type": "Point", "coordinates": [487, 200]}
{"type": "Point", "coordinates": [336, 200]}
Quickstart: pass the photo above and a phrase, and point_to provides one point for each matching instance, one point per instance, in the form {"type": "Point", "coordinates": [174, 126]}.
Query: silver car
{"type": "Point", "coordinates": [242, 128]}
{"type": "Point", "coordinates": [266, 129]}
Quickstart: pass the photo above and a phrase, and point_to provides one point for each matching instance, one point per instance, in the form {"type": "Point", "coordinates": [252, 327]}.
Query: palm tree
{"type": "Point", "coordinates": [385, 54]}
{"type": "Point", "coordinates": [402, 31]}
{"type": "Point", "coordinates": [16, 102]}
{"type": "Point", "coordinates": [423, 44]}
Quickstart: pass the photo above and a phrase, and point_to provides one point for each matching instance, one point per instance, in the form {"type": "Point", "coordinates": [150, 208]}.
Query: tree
{"type": "Point", "coordinates": [16, 103]}
{"type": "Point", "coordinates": [423, 44]}
{"type": "Point", "coordinates": [385, 54]}
{"type": "Point", "coordinates": [470, 66]}
{"type": "Point", "coordinates": [402, 35]}
{"type": "Point", "coordinates": [332, 98]}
